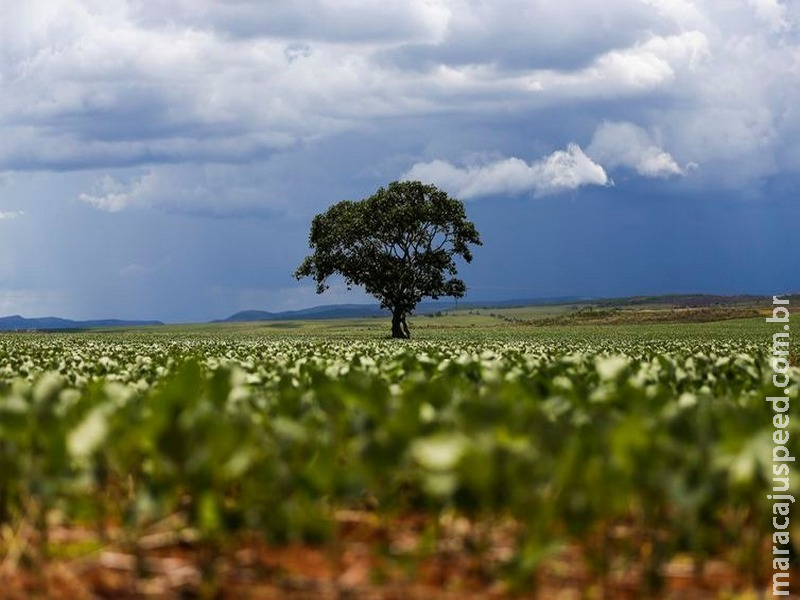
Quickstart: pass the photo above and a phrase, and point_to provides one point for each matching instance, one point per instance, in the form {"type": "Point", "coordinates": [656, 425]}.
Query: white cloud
{"type": "Point", "coordinates": [683, 12]}
{"type": "Point", "coordinates": [771, 12]}
{"type": "Point", "coordinates": [10, 215]}
{"type": "Point", "coordinates": [135, 270]}
{"type": "Point", "coordinates": [112, 196]}
{"type": "Point", "coordinates": [626, 145]}
{"type": "Point", "coordinates": [209, 189]}
{"type": "Point", "coordinates": [642, 67]}
{"type": "Point", "coordinates": [562, 171]}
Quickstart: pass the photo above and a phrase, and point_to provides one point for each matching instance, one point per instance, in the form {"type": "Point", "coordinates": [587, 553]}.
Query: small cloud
{"type": "Point", "coordinates": [111, 195]}
{"type": "Point", "coordinates": [11, 215]}
{"type": "Point", "coordinates": [626, 145]}
{"type": "Point", "coordinates": [134, 270]}
{"type": "Point", "coordinates": [564, 170]}
{"type": "Point", "coordinates": [212, 190]}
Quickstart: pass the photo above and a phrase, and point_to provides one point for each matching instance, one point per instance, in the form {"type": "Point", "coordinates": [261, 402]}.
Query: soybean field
{"type": "Point", "coordinates": [616, 461]}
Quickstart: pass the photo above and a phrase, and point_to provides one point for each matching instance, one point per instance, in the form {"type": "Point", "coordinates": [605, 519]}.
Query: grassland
{"type": "Point", "coordinates": [523, 452]}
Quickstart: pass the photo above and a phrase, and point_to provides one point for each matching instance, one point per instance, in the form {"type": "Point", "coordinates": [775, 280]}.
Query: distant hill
{"type": "Point", "coordinates": [358, 311]}
{"type": "Point", "coordinates": [18, 323]}
{"type": "Point", "coordinates": [362, 311]}
{"type": "Point", "coordinates": [687, 300]}
{"type": "Point", "coordinates": [332, 311]}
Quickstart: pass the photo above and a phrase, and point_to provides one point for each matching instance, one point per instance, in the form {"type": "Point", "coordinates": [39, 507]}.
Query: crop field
{"type": "Point", "coordinates": [317, 460]}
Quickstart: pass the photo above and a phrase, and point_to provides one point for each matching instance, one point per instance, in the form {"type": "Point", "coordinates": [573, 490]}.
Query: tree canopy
{"type": "Point", "coordinates": [400, 244]}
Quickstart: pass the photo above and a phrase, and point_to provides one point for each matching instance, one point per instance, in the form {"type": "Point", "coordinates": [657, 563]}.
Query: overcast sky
{"type": "Point", "coordinates": [164, 159]}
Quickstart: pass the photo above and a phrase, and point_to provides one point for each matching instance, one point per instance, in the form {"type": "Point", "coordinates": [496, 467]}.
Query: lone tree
{"type": "Point", "coordinates": [400, 244]}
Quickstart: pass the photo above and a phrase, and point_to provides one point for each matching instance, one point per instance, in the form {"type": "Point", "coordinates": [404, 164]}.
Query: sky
{"type": "Point", "coordinates": [163, 160]}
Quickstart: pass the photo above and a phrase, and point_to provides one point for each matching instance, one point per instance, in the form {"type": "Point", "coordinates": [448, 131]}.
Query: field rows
{"type": "Point", "coordinates": [638, 453]}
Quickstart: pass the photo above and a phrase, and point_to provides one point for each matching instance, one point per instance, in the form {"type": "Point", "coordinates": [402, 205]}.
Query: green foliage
{"type": "Point", "coordinates": [400, 244]}
{"type": "Point", "coordinates": [570, 437]}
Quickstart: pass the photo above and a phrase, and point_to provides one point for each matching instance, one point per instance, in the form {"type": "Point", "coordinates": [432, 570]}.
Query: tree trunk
{"type": "Point", "coordinates": [399, 328]}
